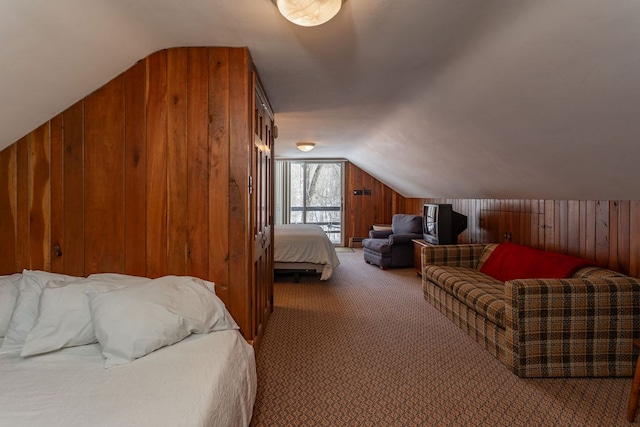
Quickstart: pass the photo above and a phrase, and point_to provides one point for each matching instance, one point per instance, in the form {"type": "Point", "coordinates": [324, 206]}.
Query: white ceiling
{"type": "Point", "coordinates": [436, 98]}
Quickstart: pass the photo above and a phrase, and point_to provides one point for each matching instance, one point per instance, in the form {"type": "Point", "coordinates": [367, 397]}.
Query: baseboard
{"type": "Point", "coordinates": [355, 242]}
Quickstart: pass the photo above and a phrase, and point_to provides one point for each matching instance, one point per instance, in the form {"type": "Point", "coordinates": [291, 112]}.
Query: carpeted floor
{"type": "Point", "coordinates": [341, 249]}
{"type": "Point", "coordinates": [365, 349]}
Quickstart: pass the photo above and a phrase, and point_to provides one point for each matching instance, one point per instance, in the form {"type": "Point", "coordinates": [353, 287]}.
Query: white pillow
{"type": "Point", "coordinates": [64, 318]}
{"type": "Point", "coordinates": [26, 309]}
{"type": "Point", "coordinates": [134, 321]}
{"type": "Point", "coordinates": [8, 297]}
{"type": "Point", "coordinates": [119, 278]}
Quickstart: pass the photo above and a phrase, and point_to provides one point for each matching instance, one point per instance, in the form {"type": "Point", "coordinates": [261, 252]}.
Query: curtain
{"type": "Point", "coordinates": [282, 192]}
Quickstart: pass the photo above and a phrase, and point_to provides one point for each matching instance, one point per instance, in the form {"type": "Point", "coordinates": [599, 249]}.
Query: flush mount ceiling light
{"type": "Point", "coordinates": [309, 13]}
{"type": "Point", "coordinates": [305, 146]}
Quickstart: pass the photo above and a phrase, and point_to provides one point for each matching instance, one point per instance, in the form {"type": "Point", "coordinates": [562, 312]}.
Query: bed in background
{"type": "Point", "coordinates": [119, 350]}
{"type": "Point", "coordinates": [303, 248]}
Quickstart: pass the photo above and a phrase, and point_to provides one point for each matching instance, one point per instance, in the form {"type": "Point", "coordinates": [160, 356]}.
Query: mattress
{"type": "Point", "coordinates": [204, 380]}
{"type": "Point", "coordinates": [305, 243]}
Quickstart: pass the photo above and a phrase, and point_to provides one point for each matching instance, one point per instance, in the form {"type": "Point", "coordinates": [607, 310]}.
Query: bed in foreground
{"type": "Point", "coordinates": [304, 248]}
{"type": "Point", "coordinates": [152, 365]}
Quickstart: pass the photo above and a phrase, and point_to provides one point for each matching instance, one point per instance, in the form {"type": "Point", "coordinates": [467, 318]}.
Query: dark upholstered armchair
{"type": "Point", "coordinates": [393, 248]}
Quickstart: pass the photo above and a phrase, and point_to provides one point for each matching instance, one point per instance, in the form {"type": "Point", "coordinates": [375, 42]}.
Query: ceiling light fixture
{"type": "Point", "coordinates": [309, 13]}
{"type": "Point", "coordinates": [305, 146]}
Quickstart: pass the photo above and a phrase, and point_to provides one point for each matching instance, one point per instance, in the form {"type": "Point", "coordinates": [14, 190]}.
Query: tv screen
{"type": "Point", "coordinates": [441, 225]}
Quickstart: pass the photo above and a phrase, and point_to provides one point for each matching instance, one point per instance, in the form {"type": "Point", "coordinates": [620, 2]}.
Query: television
{"type": "Point", "coordinates": [441, 225]}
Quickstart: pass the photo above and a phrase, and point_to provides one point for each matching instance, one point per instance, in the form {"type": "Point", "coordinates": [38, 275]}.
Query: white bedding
{"type": "Point", "coordinates": [204, 380]}
{"type": "Point", "coordinates": [305, 243]}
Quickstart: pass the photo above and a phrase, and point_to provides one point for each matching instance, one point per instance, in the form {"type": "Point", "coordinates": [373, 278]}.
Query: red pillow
{"type": "Point", "coordinates": [509, 261]}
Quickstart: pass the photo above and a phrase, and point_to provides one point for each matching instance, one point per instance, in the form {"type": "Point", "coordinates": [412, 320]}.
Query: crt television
{"type": "Point", "coordinates": [441, 225]}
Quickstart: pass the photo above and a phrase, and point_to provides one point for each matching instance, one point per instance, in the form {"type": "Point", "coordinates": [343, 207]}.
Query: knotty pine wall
{"type": "Point", "coordinates": [361, 212]}
{"type": "Point", "coordinates": [140, 177]}
{"type": "Point", "coordinates": [606, 231]}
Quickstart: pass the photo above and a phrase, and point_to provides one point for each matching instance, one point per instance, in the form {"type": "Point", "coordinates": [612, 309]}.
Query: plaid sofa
{"type": "Point", "coordinates": [583, 326]}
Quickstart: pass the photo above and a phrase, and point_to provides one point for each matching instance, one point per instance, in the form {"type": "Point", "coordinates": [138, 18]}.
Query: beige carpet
{"type": "Point", "coordinates": [341, 249]}
{"type": "Point", "coordinates": [365, 349]}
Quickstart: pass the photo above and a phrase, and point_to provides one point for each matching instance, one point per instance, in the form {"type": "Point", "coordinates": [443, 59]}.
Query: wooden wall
{"type": "Point", "coordinates": [606, 231]}
{"type": "Point", "coordinates": [138, 177]}
{"type": "Point", "coordinates": [362, 211]}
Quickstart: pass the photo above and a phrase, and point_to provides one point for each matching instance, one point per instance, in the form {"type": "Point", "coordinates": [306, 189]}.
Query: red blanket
{"type": "Point", "coordinates": [509, 261]}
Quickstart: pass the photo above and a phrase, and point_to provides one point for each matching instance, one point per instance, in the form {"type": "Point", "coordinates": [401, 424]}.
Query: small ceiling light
{"type": "Point", "coordinates": [309, 13]}
{"type": "Point", "coordinates": [305, 146]}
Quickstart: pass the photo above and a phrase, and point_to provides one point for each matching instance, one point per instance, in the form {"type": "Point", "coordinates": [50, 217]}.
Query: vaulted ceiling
{"type": "Point", "coordinates": [435, 98]}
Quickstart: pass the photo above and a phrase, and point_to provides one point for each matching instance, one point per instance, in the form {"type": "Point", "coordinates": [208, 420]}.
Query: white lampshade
{"type": "Point", "coordinates": [309, 13]}
{"type": "Point", "coordinates": [305, 146]}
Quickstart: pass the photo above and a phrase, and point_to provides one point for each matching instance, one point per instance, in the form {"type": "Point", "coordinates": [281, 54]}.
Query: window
{"type": "Point", "coordinates": [311, 193]}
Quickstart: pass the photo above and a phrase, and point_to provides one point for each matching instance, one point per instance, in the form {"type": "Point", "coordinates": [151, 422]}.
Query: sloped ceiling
{"type": "Point", "coordinates": [436, 98]}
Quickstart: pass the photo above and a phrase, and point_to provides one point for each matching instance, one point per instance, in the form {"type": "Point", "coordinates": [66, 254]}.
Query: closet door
{"type": "Point", "coordinates": [261, 198]}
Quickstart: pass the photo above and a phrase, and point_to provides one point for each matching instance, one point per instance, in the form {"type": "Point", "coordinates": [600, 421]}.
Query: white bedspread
{"type": "Point", "coordinates": [305, 243]}
{"type": "Point", "coordinates": [205, 380]}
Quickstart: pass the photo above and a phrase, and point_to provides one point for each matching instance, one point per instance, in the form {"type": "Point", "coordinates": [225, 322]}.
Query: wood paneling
{"type": "Point", "coordinates": [156, 191]}
{"type": "Point", "coordinates": [73, 176]}
{"type": "Point", "coordinates": [39, 199]}
{"type": "Point", "coordinates": [104, 181]}
{"type": "Point", "coordinates": [22, 205]}
{"type": "Point", "coordinates": [57, 194]}
{"type": "Point", "coordinates": [197, 162]}
{"type": "Point", "coordinates": [135, 170]}
{"type": "Point", "coordinates": [8, 208]}
{"type": "Point", "coordinates": [606, 231]}
{"type": "Point", "coordinates": [147, 176]}
{"type": "Point", "coordinates": [362, 211]}
{"type": "Point", "coordinates": [177, 203]}
{"type": "Point", "coordinates": [240, 259]}
{"type": "Point", "coordinates": [218, 78]}
{"type": "Point", "coordinates": [622, 250]}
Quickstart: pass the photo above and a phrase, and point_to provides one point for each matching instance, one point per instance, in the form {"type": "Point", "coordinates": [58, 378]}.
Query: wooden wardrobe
{"type": "Point", "coordinates": [166, 169]}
